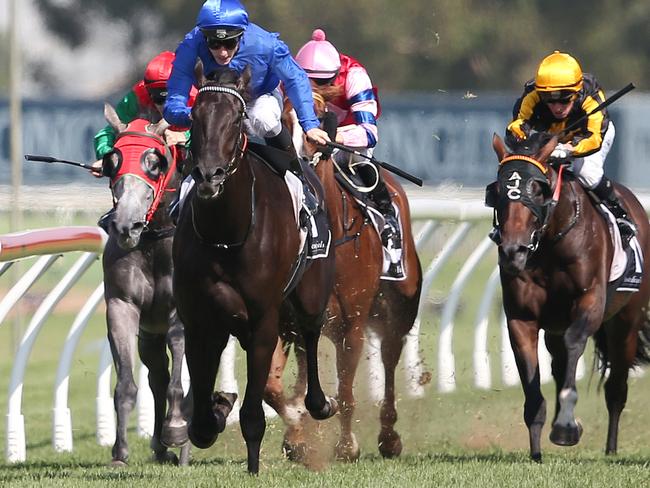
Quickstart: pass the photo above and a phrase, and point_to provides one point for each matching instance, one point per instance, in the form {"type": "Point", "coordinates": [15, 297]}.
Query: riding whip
{"type": "Point", "coordinates": [387, 166]}
{"type": "Point", "coordinates": [48, 159]}
{"type": "Point", "coordinates": [628, 88]}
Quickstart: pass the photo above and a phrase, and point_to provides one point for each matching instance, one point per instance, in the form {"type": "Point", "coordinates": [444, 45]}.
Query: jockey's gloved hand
{"type": "Point", "coordinates": [562, 151]}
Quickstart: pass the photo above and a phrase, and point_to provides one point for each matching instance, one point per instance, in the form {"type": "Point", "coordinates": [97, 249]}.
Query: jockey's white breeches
{"type": "Point", "coordinates": [589, 170]}
{"type": "Point", "coordinates": [264, 114]}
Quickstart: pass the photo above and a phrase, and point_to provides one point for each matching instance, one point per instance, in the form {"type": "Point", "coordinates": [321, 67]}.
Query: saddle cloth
{"type": "Point", "coordinates": [317, 235]}
{"type": "Point", "coordinates": [627, 264]}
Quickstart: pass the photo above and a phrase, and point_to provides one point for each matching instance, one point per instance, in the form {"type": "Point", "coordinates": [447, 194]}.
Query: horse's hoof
{"type": "Point", "coordinates": [119, 463]}
{"type": "Point", "coordinates": [330, 409]}
{"type": "Point", "coordinates": [537, 457]}
{"type": "Point", "coordinates": [296, 453]}
{"type": "Point", "coordinates": [200, 439]}
{"type": "Point", "coordinates": [347, 450]}
{"type": "Point", "coordinates": [222, 405]}
{"type": "Point", "coordinates": [174, 436]}
{"type": "Point", "coordinates": [566, 435]}
{"type": "Point", "coordinates": [166, 457]}
{"type": "Point", "coordinates": [390, 444]}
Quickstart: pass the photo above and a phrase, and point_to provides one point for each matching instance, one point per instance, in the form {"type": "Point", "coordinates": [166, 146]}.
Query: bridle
{"type": "Point", "coordinates": [161, 185]}
{"type": "Point", "coordinates": [229, 170]}
{"type": "Point", "coordinates": [242, 140]}
{"type": "Point", "coordinates": [542, 212]}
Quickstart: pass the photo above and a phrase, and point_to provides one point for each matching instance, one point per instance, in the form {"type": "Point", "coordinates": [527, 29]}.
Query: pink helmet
{"type": "Point", "coordinates": [319, 58]}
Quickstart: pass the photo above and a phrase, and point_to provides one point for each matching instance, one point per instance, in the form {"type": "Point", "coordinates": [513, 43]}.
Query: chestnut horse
{"type": "Point", "coordinates": [555, 254]}
{"type": "Point", "coordinates": [137, 265]}
{"type": "Point", "coordinates": [235, 251]}
{"type": "Point", "coordinates": [360, 302]}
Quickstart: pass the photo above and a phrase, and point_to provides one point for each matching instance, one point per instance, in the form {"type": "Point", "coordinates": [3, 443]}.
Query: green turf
{"type": "Point", "coordinates": [466, 438]}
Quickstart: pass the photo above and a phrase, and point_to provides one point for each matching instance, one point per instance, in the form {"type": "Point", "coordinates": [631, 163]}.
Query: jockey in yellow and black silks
{"type": "Point", "coordinates": [559, 96]}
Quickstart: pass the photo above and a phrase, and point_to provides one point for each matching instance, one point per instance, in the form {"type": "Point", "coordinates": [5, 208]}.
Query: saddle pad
{"type": "Point", "coordinates": [621, 266]}
{"type": "Point", "coordinates": [317, 234]}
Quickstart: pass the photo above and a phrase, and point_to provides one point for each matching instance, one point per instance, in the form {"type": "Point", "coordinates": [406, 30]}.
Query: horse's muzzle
{"type": "Point", "coordinates": [513, 258]}
{"type": "Point", "coordinates": [128, 236]}
{"type": "Point", "coordinates": [209, 187]}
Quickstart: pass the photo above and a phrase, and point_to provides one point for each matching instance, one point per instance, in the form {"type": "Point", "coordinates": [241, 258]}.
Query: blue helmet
{"type": "Point", "coordinates": [223, 19]}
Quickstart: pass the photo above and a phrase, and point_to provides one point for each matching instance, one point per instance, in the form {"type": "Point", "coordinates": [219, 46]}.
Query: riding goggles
{"type": "Point", "coordinates": [563, 97]}
{"type": "Point", "coordinates": [157, 95]}
{"type": "Point", "coordinates": [227, 38]}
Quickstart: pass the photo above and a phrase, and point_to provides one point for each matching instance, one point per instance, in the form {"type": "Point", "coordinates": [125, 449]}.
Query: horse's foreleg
{"type": "Point", "coordinates": [203, 348]}
{"type": "Point", "coordinates": [151, 348]}
{"type": "Point", "coordinates": [523, 339]}
{"type": "Point", "coordinates": [390, 444]}
{"type": "Point", "coordinates": [122, 319]}
{"type": "Point", "coordinates": [320, 407]}
{"type": "Point", "coordinates": [174, 429]}
{"type": "Point", "coordinates": [566, 431]}
{"type": "Point", "coordinates": [258, 360]}
{"type": "Point", "coordinates": [349, 348]}
{"type": "Point", "coordinates": [293, 444]}
{"type": "Point", "coordinates": [621, 347]}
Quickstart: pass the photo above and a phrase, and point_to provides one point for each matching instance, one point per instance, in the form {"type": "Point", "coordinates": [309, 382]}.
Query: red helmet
{"type": "Point", "coordinates": [158, 70]}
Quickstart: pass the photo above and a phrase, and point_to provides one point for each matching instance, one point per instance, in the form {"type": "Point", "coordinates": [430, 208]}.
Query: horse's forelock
{"type": "Point", "coordinates": [225, 76]}
{"type": "Point", "coordinates": [530, 146]}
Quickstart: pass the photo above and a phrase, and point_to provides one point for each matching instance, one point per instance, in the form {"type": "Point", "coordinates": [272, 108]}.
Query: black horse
{"type": "Point", "coordinates": [137, 267]}
{"type": "Point", "coordinates": [235, 252]}
{"type": "Point", "coordinates": [555, 254]}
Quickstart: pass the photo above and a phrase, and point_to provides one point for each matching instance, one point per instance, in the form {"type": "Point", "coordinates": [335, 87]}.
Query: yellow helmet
{"type": "Point", "coordinates": [558, 72]}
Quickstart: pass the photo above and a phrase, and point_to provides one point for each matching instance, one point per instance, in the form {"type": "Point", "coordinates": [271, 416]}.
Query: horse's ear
{"type": "Point", "coordinates": [547, 149]}
{"type": "Point", "coordinates": [244, 79]}
{"type": "Point", "coordinates": [199, 74]}
{"type": "Point", "coordinates": [499, 146]}
{"type": "Point", "coordinates": [113, 119]}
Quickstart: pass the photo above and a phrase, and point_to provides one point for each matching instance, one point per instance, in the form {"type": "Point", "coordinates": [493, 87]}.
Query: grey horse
{"type": "Point", "coordinates": [138, 269]}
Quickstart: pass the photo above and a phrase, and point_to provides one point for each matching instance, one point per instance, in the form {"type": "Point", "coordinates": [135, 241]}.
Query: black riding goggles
{"type": "Point", "coordinates": [217, 42]}
{"type": "Point", "coordinates": [562, 97]}
{"type": "Point", "coordinates": [158, 95]}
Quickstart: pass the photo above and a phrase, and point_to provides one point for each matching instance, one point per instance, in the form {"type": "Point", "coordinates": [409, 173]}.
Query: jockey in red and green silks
{"type": "Point", "coordinates": [146, 99]}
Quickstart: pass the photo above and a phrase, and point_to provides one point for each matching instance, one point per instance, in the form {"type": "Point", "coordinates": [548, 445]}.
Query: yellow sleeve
{"type": "Point", "coordinates": [594, 125]}
{"type": "Point", "coordinates": [528, 104]}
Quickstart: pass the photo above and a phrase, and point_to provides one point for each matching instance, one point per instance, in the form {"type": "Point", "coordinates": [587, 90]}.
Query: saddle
{"type": "Point", "coordinates": [312, 216]}
{"type": "Point", "coordinates": [393, 265]}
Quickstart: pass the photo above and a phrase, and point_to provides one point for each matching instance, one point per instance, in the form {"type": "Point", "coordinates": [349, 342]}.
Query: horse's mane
{"type": "Point", "coordinates": [529, 146]}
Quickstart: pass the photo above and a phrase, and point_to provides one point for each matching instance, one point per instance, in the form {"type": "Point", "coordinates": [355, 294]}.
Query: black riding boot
{"type": "Point", "coordinates": [605, 191]}
{"type": "Point", "coordinates": [390, 235]}
{"type": "Point", "coordinates": [283, 141]}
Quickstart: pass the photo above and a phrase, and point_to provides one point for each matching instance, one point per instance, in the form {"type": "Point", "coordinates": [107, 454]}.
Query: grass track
{"type": "Point", "coordinates": [466, 438]}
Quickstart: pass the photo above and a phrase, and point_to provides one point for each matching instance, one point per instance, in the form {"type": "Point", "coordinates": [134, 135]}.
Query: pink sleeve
{"type": "Point", "coordinates": [358, 82]}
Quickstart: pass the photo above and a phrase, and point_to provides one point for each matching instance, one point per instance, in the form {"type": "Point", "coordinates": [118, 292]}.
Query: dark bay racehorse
{"type": "Point", "coordinates": [361, 302]}
{"type": "Point", "coordinates": [235, 248]}
{"type": "Point", "coordinates": [555, 254]}
{"type": "Point", "coordinates": [138, 278]}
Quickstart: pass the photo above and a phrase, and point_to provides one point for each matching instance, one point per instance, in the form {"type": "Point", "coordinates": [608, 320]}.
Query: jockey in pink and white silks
{"type": "Point", "coordinates": [357, 109]}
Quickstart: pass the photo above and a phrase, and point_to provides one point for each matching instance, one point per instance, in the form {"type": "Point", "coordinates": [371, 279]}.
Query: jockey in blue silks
{"type": "Point", "coordinates": [223, 36]}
